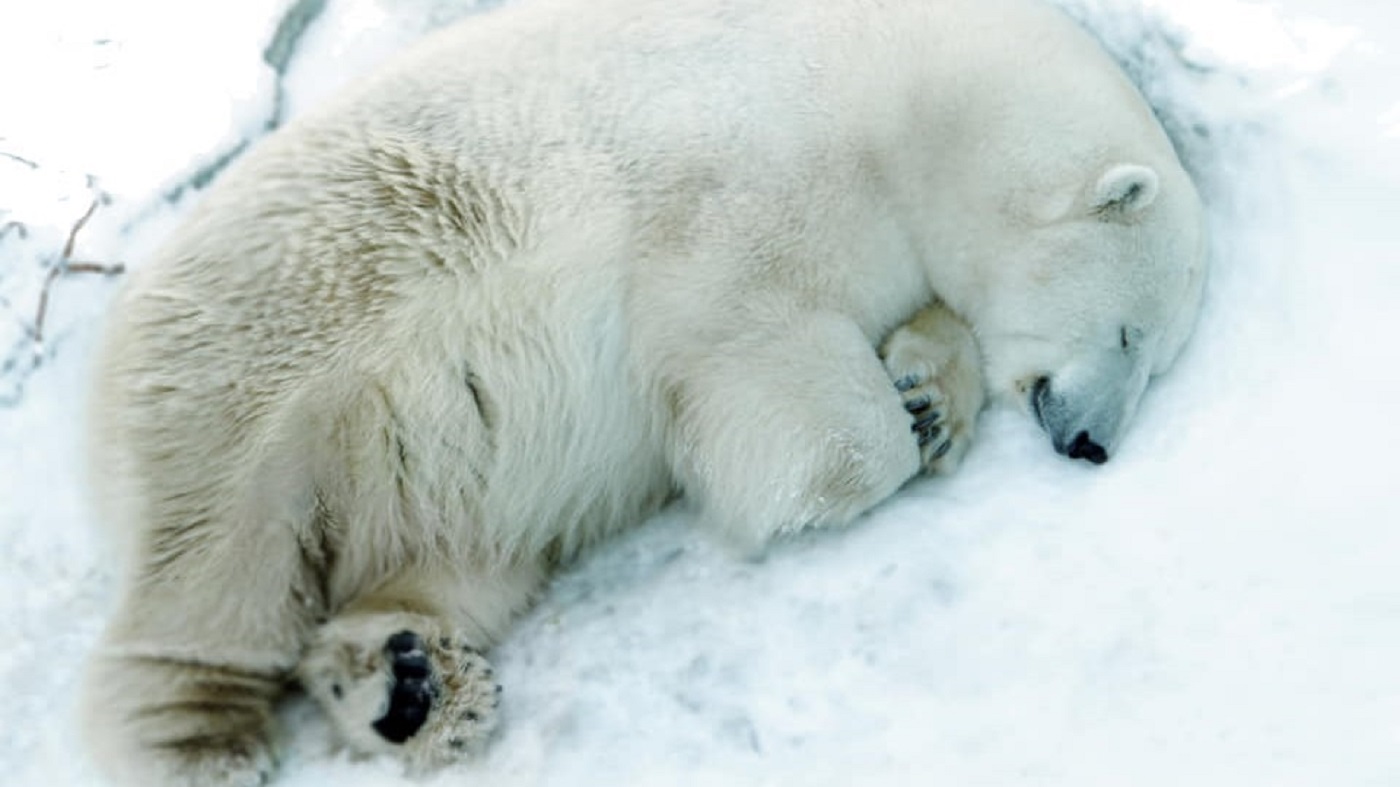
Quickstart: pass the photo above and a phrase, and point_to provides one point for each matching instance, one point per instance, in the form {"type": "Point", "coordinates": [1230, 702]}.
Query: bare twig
{"type": "Point", "coordinates": [95, 267]}
{"type": "Point", "coordinates": [78, 227]}
{"type": "Point", "coordinates": [43, 312]}
{"type": "Point", "coordinates": [66, 265]}
{"type": "Point", "coordinates": [14, 226]}
{"type": "Point", "coordinates": [20, 159]}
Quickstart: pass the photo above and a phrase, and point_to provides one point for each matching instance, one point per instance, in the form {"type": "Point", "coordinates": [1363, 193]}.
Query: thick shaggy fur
{"type": "Point", "coordinates": [561, 263]}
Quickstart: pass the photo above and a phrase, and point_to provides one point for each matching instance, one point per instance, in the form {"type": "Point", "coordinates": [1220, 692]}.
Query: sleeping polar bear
{"type": "Point", "coordinates": [561, 263]}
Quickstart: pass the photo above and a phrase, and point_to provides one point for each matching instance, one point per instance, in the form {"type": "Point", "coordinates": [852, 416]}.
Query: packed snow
{"type": "Point", "coordinates": [1220, 605]}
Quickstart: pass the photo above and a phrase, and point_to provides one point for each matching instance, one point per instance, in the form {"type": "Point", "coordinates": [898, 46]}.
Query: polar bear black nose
{"type": "Point", "coordinates": [1084, 447]}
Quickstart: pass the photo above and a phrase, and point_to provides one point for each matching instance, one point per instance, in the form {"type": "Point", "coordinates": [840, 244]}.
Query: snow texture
{"type": "Point", "coordinates": [1220, 605]}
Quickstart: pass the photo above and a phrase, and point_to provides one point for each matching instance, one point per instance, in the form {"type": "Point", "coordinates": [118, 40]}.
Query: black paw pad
{"type": "Point", "coordinates": [413, 692]}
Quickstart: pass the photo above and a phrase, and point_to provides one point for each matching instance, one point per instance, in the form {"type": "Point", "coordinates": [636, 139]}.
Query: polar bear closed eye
{"type": "Point", "coordinates": [561, 262]}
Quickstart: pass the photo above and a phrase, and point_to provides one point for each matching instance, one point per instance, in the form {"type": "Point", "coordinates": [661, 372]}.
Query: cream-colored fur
{"type": "Point", "coordinates": [561, 263]}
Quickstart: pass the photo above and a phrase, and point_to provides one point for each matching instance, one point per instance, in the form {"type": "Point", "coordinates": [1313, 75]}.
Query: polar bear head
{"type": "Point", "coordinates": [1096, 294]}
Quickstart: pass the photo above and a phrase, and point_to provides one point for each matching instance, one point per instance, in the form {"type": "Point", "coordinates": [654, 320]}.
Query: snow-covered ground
{"type": "Point", "coordinates": [1220, 605]}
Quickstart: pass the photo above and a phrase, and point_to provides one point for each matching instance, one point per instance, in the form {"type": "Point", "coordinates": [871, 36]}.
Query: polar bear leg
{"type": "Point", "coordinates": [400, 671]}
{"type": "Point", "coordinates": [790, 425]}
{"type": "Point", "coordinates": [171, 722]}
{"type": "Point", "coordinates": [181, 689]}
{"type": "Point", "coordinates": [934, 363]}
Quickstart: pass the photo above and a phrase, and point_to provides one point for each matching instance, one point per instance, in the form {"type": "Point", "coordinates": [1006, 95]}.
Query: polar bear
{"type": "Point", "coordinates": [562, 263]}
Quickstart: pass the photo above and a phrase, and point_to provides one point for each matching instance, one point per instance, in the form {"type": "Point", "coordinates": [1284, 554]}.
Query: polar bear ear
{"type": "Point", "coordinates": [1125, 190]}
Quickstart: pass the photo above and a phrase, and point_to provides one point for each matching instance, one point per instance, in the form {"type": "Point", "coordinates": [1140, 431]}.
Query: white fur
{"type": "Point", "coordinates": [566, 260]}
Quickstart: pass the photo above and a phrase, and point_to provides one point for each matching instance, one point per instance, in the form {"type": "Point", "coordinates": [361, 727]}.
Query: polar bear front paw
{"type": "Point", "coordinates": [934, 364]}
{"type": "Point", "coordinates": [925, 402]}
{"type": "Point", "coordinates": [428, 699]}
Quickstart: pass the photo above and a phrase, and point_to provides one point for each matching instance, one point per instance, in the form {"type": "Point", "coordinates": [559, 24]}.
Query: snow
{"type": "Point", "coordinates": [1220, 605]}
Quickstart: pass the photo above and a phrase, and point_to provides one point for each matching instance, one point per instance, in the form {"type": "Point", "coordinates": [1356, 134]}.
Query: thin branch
{"type": "Point", "coordinates": [95, 267]}
{"type": "Point", "coordinates": [21, 159]}
{"type": "Point", "coordinates": [78, 226]}
{"type": "Point", "coordinates": [66, 264]}
{"type": "Point", "coordinates": [43, 312]}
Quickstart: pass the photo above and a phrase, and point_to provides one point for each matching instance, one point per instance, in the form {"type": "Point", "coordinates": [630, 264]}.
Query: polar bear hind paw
{"type": "Point", "coordinates": [429, 700]}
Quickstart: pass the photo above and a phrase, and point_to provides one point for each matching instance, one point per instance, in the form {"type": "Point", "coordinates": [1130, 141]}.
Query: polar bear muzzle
{"type": "Point", "coordinates": [1080, 427]}
{"type": "Point", "coordinates": [1054, 416]}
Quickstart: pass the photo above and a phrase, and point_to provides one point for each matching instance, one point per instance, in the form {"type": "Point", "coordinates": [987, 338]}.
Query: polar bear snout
{"type": "Point", "coordinates": [1075, 433]}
